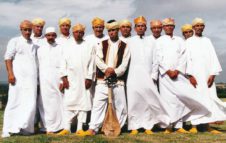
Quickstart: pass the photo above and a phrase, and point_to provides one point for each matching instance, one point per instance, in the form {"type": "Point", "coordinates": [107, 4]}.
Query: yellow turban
{"type": "Point", "coordinates": [186, 27]}
{"type": "Point", "coordinates": [125, 22]}
{"type": "Point", "coordinates": [197, 21]}
{"type": "Point", "coordinates": [113, 25]}
{"type": "Point", "coordinates": [38, 21]}
{"type": "Point", "coordinates": [26, 24]}
{"type": "Point", "coordinates": [78, 27]}
{"type": "Point", "coordinates": [140, 19]}
{"type": "Point", "coordinates": [65, 21]}
{"type": "Point", "coordinates": [168, 21]}
{"type": "Point", "coordinates": [155, 23]}
{"type": "Point", "coordinates": [97, 21]}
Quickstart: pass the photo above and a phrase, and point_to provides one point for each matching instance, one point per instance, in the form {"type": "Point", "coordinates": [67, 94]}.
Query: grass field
{"type": "Point", "coordinates": [157, 137]}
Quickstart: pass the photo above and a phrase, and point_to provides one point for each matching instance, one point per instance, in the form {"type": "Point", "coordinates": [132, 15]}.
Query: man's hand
{"type": "Point", "coordinates": [193, 81]}
{"type": "Point", "coordinates": [210, 80]}
{"type": "Point", "coordinates": [61, 87]}
{"type": "Point", "coordinates": [109, 72]}
{"type": "Point", "coordinates": [65, 82]}
{"type": "Point", "coordinates": [88, 83]}
{"type": "Point", "coordinates": [11, 79]}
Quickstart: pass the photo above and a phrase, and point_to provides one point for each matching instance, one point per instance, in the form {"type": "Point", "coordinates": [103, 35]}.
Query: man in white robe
{"type": "Point", "coordinates": [77, 75]}
{"type": "Point", "coordinates": [187, 31]}
{"type": "Point", "coordinates": [64, 36]}
{"type": "Point", "coordinates": [112, 60]}
{"type": "Point", "coordinates": [203, 66]}
{"type": "Point", "coordinates": [125, 29]}
{"type": "Point", "coordinates": [184, 102]}
{"type": "Point", "coordinates": [21, 64]}
{"type": "Point", "coordinates": [51, 102]}
{"type": "Point", "coordinates": [144, 106]}
{"type": "Point", "coordinates": [38, 37]}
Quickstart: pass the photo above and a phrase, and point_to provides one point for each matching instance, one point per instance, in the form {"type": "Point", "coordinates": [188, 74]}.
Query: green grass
{"type": "Point", "coordinates": [158, 137]}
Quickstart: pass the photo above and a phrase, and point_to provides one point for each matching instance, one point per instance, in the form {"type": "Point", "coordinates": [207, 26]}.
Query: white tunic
{"type": "Point", "coordinates": [50, 100]}
{"type": "Point", "coordinates": [144, 106]}
{"type": "Point", "coordinates": [184, 102]}
{"type": "Point", "coordinates": [124, 39]}
{"type": "Point", "coordinates": [203, 62]}
{"type": "Point", "coordinates": [37, 40]}
{"type": "Point", "coordinates": [63, 40]}
{"type": "Point", "coordinates": [21, 106]}
{"type": "Point", "coordinates": [77, 65]}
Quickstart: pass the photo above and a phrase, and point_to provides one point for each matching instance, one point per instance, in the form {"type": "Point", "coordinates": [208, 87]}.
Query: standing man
{"type": "Point", "coordinates": [51, 103]}
{"type": "Point", "coordinates": [20, 59]}
{"type": "Point", "coordinates": [203, 66]}
{"type": "Point", "coordinates": [185, 104]}
{"type": "Point", "coordinates": [144, 106]}
{"type": "Point", "coordinates": [112, 60]}
{"type": "Point", "coordinates": [37, 38]}
{"type": "Point", "coordinates": [187, 31]}
{"type": "Point", "coordinates": [37, 28]}
{"type": "Point", "coordinates": [77, 75]}
{"type": "Point", "coordinates": [125, 29]}
{"type": "Point", "coordinates": [65, 36]}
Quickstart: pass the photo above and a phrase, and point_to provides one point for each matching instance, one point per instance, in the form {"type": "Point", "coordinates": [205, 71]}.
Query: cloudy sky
{"type": "Point", "coordinates": [82, 11]}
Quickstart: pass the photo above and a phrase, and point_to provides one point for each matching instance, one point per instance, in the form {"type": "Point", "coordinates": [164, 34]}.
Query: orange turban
{"type": "Point", "coordinates": [26, 24]}
{"type": "Point", "coordinates": [78, 27]}
{"type": "Point", "coordinates": [140, 19]}
{"type": "Point", "coordinates": [97, 21]}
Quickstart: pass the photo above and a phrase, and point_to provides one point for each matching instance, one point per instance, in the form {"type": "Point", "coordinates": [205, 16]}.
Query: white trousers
{"type": "Point", "coordinates": [70, 114]}
{"type": "Point", "coordinates": [100, 104]}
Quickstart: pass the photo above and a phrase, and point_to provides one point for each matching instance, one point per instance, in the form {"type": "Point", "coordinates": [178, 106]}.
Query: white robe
{"type": "Point", "coordinates": [63, 40]}
{"type": "Point", "coordinates": [203, 62]}
{"type": "Point", "coordinates": [124, 39]}
{"type": "Point", "coordinates": [20, 110]}
{"type": "Point", "coordinates": [50, 99]}
{"type": "Point", "coordinates": [145, 108]}
{"type": "Point", "coordinates": [100, 101]}
{"type": "Point", "coordinates": [37, 40]}
{"type": "Point", "coordinates": [77, 65]}
{"type": "Point", "coordinates": [184, 102]}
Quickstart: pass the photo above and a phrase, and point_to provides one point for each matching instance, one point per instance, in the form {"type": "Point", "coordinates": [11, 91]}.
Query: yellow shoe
{"type": "Point", "coordinates": [80, 133]}
{"type": "Point", "coordinates": [89, 133]}
{"type": "Point", "coordinates": [213, 131]}
{"type": "Point", "coordinates": [168, 131]}
{"type": "Point", "coordinates": [50, 133]}
{"type": "Point", "coordinates": [63, 132]}
{"type": "Point", "coordinates": [193, 130]}
{"type": "Point", "coordinates": [183, 131]}
{"type": "Point", "coordinates": [148, 132]}
{"type": "Point", "coordinates": [134, 132]}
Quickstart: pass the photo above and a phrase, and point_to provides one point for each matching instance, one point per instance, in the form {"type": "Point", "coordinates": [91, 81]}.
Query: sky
{"type": "Point", "coordinates": [12, 12]}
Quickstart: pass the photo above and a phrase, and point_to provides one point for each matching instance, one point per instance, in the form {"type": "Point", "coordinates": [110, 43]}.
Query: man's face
{"type": "Point", "coordinates": [78, 35]}
{"type": "Point", "coordinates": [65, 28]}
{"type": "Point", "coordinates": [156, 30]}
{"type": "Point", "coordinates": [198, 28]}
{"type": "Point", "coordinates": [37, 30]}
{"type": "Point", "coordinates": [113, 33]}
{"type": "Point", "coordinates": [26, 32]}
{"type": "Point", "coordinates": [168, 29]}
{"type": "Point", "coordinates": [98, 30]}
{"type": "Point", "coordinates": [140, 28]}
{"type": "Point", "coordinates": [125, 30]}
{"type": "Point", "coordinates": [187, 34]}
{"type": "Point", "coordinates": [51, 37]}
